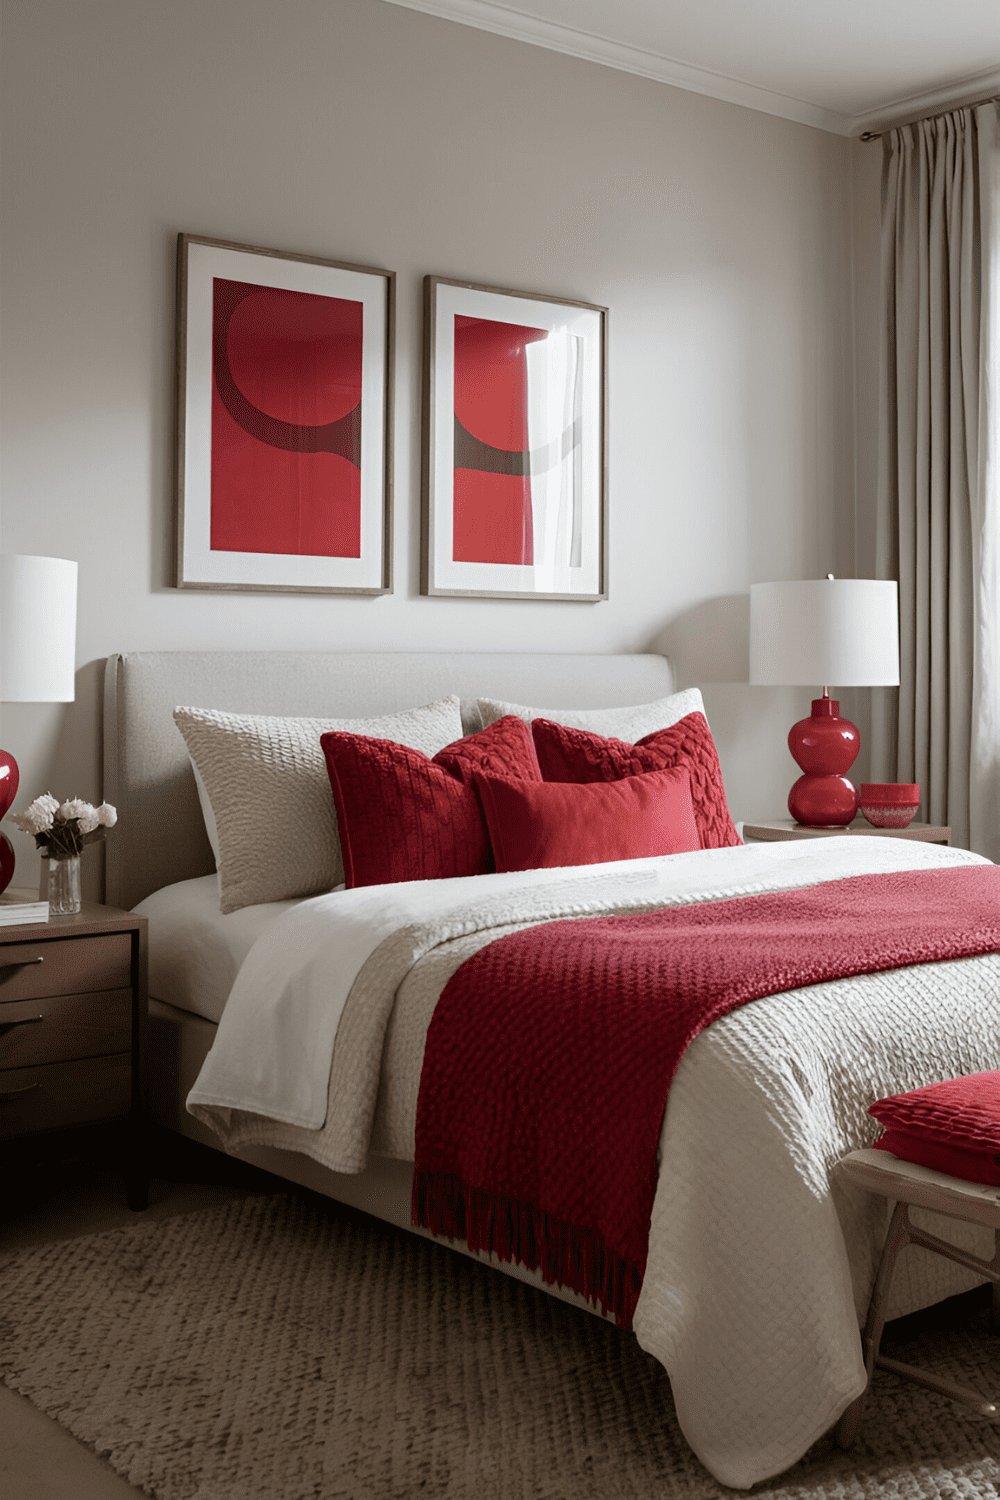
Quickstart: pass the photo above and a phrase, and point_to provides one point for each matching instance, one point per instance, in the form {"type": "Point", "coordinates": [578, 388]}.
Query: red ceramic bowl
{"type": "Point", "coordinates": [889, 804]}
{"type": "Point", "coordinates": [892, 792]}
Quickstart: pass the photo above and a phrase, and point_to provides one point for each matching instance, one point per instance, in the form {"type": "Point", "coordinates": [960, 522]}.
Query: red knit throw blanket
{"type": "Point", "coordinates": [551, 1051]}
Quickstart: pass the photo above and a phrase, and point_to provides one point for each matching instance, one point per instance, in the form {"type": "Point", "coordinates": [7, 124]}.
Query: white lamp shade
{"type": "Point", "coordinates": [37, 629]}
{"type": "Point", "coordinates": [841, 632]}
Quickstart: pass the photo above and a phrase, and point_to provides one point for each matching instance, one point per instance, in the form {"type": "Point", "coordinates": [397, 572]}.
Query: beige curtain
{"type": "Point", "coordinates": [938, 499]}
{"type": "Point", "coordinates": [984, 778]}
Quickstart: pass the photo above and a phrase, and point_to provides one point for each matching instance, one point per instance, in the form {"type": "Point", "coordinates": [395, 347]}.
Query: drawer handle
{"type": "Point", "coordinates": [9, 970]}
{"type": "Point", "coordinates": [6, 1097]}
{"type": "Point", "coordinates": [6, 1026]}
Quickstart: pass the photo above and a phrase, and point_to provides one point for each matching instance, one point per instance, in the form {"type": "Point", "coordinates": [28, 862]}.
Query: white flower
{"type": "Point", "coordinates": [62, 828]}
{"type": "Point", "coordinates": [84, 812]}
{"type": "Point", "coordinates": [38, 817]}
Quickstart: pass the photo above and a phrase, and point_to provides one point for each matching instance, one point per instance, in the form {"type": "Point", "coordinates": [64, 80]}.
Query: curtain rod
{"type": "Point", "coordinates": [876, 135]}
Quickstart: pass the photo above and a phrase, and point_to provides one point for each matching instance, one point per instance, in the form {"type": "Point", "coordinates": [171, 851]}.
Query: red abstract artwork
{"type": "Point", "coordinates": [286, 422]}
{"type": "Point", "coordinates": [492, 494]}
{"type": "Point", "coordinates": [515, 451]}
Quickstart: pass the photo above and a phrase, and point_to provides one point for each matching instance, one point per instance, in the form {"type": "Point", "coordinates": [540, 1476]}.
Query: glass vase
{"type": "Point", "coordinates": [64, 886]}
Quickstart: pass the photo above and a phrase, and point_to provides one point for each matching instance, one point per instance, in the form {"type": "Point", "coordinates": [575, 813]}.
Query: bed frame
{"type": "Point", "coordinates": [160, 836]}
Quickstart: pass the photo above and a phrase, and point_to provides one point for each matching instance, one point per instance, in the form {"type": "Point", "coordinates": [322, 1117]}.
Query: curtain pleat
{"type": "Point", "coordinates": [929, 454]}
{"type": "Point", "coordinates": [984, 777]}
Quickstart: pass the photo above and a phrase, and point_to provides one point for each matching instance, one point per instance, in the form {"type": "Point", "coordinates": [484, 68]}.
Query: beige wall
{"type": "Point", "coordinates": [719, 238]}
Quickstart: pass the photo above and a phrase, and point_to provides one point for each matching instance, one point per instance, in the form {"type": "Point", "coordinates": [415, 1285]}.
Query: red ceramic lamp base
{"type": "Point", "coordinates": [823, 801]}
{"type": "Point", "coordinates": [825, 746]}
{"type": "Point", "coordinates": [9, 778]}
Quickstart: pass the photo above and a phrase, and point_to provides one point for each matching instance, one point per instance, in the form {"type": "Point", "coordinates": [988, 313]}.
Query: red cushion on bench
{"type": "Point", "coordinates": [952, 1126]}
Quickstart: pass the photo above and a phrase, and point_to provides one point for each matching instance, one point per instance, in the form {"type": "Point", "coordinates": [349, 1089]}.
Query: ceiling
{"type": "Point", "coordinates": [845, 67]}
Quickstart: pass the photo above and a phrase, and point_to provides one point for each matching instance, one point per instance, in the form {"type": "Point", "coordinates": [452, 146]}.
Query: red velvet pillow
{"type": "Point", "coordinates": [403, 816]}
{"type": "Point", "coordinates": [537, 825]}
{"type": "Point", "coordinates": [953, 1127]}
{"type": "Point", "coordinates": [576, 755]}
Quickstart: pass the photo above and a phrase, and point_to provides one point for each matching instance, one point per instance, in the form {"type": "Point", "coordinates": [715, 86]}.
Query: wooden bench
{"type": "Point", "coordinates": [909, 1184]}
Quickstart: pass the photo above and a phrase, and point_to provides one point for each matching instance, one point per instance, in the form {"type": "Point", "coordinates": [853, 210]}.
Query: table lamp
{"type": "Point", "coordinates": [37, 653]}
{"type": "Point", "coordinates": [821, 631]}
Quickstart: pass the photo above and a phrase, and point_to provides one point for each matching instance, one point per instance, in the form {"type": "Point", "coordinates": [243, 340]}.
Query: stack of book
{"type": "Point", "coordinates": [17, 906]}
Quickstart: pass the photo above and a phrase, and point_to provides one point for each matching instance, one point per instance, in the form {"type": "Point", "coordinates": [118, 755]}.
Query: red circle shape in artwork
{"type": "Point", "coordinates": [491, 380]}
{"type": "Point", "coordinates": [297, 356]}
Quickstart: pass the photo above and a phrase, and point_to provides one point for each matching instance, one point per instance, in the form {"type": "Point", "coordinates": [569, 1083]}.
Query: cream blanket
{"type": "Point", "coordinates": [750, 1299]}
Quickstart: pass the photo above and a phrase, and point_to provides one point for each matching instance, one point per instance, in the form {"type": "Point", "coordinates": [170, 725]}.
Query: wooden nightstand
{"type": "Point", "coordinates": [785, 828]}
{"type": "Point", "coordinates": [73, 1009]}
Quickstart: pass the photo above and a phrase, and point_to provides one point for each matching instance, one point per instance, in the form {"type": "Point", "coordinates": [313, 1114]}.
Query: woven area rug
{"type": "Point", "coordinates": [281, 1348]}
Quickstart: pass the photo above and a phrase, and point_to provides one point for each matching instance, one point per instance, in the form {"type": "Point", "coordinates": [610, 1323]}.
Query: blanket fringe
{"type": "Point", "coordinates": [566, 1255]}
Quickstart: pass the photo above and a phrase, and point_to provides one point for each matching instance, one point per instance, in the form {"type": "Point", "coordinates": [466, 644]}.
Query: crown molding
{"type": "Point", "coordinates": [932, 101]}
{"type": "Point", "coordinates": [504, 21]}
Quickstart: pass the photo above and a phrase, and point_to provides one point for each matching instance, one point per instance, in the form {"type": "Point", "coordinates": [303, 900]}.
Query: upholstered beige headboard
{"type": "Point", "coordinates": [161, 837]}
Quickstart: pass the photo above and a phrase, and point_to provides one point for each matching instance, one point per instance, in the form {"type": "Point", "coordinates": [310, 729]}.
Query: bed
{"type": "Point", "coordinates": [759, 1261]}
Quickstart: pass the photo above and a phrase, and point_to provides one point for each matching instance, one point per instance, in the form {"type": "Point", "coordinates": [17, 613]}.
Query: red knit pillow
{"type": "Point", "coordinates": [575, 755]}
{"type": "Point", "coordinates": [953, 1126]}
{"type": "Point", "coordinates": [538, 825]}
{"type": "Point", "coordinates": [403, 816]}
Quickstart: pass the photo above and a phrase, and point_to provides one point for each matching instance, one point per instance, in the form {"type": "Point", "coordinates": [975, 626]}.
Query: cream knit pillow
{"type": "Point", "coordinates": [266, 781]}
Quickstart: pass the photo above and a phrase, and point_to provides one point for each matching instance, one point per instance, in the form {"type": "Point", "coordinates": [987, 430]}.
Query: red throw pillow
{"type": "Point", "coordinates": [953, 1127]}
{"type": "Point", "coordinates": [403, 816]}
{"type": "Point", "coordinates": [577, 755]}
{"type": "Point", "coordinates": [537, 825]}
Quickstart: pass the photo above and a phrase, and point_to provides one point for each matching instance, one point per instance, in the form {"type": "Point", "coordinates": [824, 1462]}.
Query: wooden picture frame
{"type": "Point", "coordinates": [514, 444]}
{"type": "Point", "coordinates": [284, 382]}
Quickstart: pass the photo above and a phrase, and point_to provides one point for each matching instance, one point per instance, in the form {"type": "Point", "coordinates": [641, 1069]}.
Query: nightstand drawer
{"type": "Point", "coordinates": [69, 1093]}
{"type": "Point", "coordinates": [65, 966]}
{"type": "Point", "coordinates": [62, 1027]}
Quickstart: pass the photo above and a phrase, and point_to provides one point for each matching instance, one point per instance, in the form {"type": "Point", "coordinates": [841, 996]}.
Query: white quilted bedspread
{"type": "Point", "coordinates": [758, 1267]}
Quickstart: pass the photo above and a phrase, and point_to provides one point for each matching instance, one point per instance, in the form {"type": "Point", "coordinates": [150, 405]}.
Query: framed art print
{"type": "Point", "coordinates": [514, 444]}
{"type": "Point", "coordinates": [284, 421]}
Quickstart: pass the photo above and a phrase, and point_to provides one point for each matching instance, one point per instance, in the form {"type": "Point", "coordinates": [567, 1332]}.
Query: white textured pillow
{"type": "Point", "coordinates": [628, 724]}
{"type": "Point", "coordinates": [269, 791]}
{"type": "Point", "coordinates": [208, 816]}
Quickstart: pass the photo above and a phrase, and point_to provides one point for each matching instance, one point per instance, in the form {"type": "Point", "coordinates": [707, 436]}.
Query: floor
{"type": "Point", "coordinates": [68, 1186]}
{"type": "Point", "coordinates": [72, 1185]}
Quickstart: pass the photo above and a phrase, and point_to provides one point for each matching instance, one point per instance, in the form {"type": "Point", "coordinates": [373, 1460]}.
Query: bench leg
{"type": "Point", "coordinates": [896, 1240]}
{"type": "Point", "coordinates": [902, 1233]}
